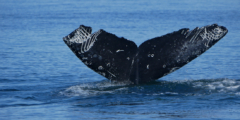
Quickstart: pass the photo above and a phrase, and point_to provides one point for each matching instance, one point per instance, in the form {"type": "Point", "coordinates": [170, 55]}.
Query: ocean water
{"type": "Point", "coordinates": [40, 78]}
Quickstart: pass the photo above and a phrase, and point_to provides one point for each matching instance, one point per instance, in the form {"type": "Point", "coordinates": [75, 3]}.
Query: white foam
{"type": "Point", "coordinates": [92, 89]}
{"type": "Point", "coordinates": [225, 85]}
{"type": "Point", "coordinates": [233, 88]}
{"type": "Point", "coordinates": [238, 93]}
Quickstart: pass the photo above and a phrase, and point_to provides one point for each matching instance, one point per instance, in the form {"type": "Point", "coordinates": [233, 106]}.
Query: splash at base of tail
{"type": "Point", "coordinates": [119, 59]}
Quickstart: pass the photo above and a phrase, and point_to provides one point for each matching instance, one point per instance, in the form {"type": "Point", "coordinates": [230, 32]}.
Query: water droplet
{"type": "Point", "coordinates": [100, 67]}
{"type": "Point", "coordinates": [108, 64]}
{"type": "Point", "coordinates": [128, 58]}
{"type": "Point", "coordinates": [164, 66]}
{"type": "Point", "coordinates": [152, 55]}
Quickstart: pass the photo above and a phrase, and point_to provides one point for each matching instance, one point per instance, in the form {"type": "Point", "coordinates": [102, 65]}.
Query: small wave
{"type": "Point", "coordinates": [163, 88]}
{"type": "Point", "coordinates": [219, 85]}
{"type": "Point", "coordinates": [91, 89]}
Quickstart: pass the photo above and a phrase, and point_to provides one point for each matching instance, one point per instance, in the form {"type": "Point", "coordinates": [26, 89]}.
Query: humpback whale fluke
{"type": "Point", "coordinates": [119, 59]}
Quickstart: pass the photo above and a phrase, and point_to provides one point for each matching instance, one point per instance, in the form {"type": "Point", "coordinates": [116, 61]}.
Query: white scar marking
{"type": "Point", "coordinates": [215, 34]}
{"type": "Point", "coordinates": [119, 50]}
{"type": "Point", "coordinates": [84, 58]}
{"type": "Point", "coordinates": [111, 73]}
{"type": "Point", "coordinates": [164, 66]}
{"type": "Point", "coordinates": [100, 68]}
{"type": "Point", "coordinates": [83, 37]}
{"type": "Point", "coordinates": [196, 34]}
{"type": "Point", "coordinates": [182, 31]}
{"type": "Point", "coordinates": [147, 66]}
{"type": "Point", "coordinates": [173, 69]}
{"type": "Point", "coordinates": [188, 34]}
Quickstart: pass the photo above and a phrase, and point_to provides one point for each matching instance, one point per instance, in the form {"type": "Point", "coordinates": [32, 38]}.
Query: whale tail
{"type": "Point", "coordinates": [119, 59]}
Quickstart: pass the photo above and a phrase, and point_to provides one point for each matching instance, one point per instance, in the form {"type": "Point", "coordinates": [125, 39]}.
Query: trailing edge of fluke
{"type": "Point", "coordinates": [119, 59]}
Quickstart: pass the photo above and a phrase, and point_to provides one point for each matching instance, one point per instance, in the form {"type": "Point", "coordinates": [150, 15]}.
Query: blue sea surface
{"type": "Point", "coordinates": [40, 78]}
